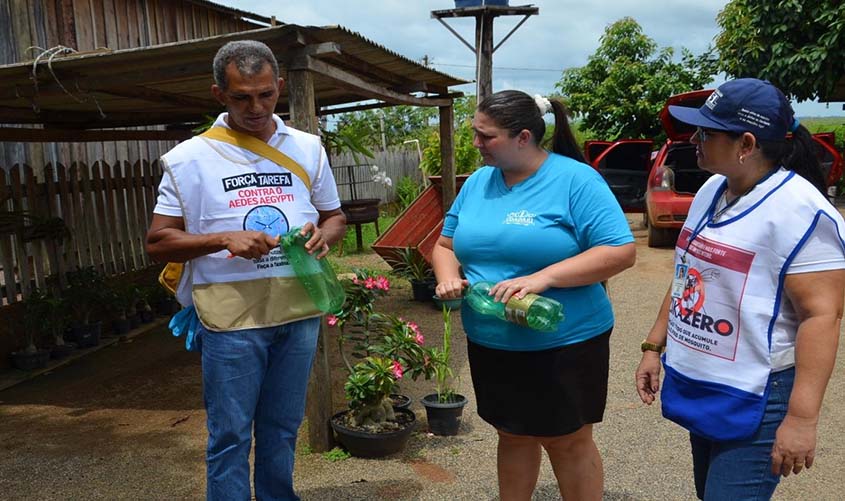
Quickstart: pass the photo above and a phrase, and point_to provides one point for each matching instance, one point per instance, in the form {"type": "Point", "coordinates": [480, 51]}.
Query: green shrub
{"type": "Point", "coordinates": [407, 190]}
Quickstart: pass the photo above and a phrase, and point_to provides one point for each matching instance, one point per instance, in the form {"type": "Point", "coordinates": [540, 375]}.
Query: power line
{"type": "Point", "coordinates": [557, 70]}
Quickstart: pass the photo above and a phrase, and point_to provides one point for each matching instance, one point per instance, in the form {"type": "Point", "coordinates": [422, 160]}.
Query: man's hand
{"type": "Point", "coordinates": [249, 244]}
{"type": "Point", "coordinates": [317, 242]}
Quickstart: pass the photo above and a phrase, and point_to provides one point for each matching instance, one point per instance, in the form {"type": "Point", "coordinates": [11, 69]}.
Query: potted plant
{"type": "Point", "coordinates": [162, 302]}
{"type": "Point", "coordinates": [144, 306]}
{"type": "Point", "coordinates": [54, 319]}
{"type": "Point", "coordinates": [86, 291]}
{"type": "Point", "coordinates": [121, 299]}
{"type": "Point", "coordinates": [35, 323]}
{"type": "Point", "coordinates": [444, 408]}
{"type": "Point", "coordinates": [389, 348]}
{"type": "Point", "coordinates": [410, 264]}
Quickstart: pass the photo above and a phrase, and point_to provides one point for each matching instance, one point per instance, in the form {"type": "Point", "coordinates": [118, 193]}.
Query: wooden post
{"type": "Point", "coordinates": [484, 54]}
{"type": "Point", "coordinates": [318, 408]}
{"type": "Point", "coordinates": [301, 96]}
{"type": "Point", "coordinates": [447, 155]}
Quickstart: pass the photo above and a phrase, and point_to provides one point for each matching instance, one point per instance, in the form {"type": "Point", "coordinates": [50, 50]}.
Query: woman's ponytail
{"type": "Point", "coordinates": [797, 155]}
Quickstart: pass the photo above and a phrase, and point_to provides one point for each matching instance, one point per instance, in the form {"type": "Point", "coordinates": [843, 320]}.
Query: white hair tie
{"type": "Point", "coordinates": [543, 104]}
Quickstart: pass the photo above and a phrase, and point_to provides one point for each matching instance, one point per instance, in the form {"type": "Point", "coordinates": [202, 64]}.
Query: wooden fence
{"type": "Point", "coordinates": [395, 162]}
{"type": "Point", "coordinates": [106, 207]}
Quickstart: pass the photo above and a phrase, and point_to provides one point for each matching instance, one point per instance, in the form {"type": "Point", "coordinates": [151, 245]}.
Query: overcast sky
{"type": "Point", "coordinates": [563, 35]}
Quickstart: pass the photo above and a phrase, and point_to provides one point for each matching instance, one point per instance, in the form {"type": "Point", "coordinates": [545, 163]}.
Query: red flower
{"type": "Point", "coordinates": [397, 370]}
{"type": "Point", "coordinates": [382, 283]}
{"type": "Point", "coordinates": [419, 339]}
{"type": "Point", "coordinates": [370, 283]}
{"type": "Point", "coordinates": [331, 320]}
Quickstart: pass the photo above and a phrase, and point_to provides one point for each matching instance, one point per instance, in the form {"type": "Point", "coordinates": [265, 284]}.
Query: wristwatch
{"type": "Point", "coordinates": [646, 346]}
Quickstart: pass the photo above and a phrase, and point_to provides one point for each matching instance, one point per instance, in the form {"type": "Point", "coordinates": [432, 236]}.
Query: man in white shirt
{"type": "Point", "coordinates": [221, 209]}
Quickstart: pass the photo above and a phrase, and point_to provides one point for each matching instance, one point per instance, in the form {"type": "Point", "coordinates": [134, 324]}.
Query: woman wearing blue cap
{"type": "Point", "coordinates": [750, 324]}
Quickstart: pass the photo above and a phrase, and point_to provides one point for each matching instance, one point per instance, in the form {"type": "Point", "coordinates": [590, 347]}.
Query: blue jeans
{"type": "Point", "coordinates": [255, 378]}
{"type": "Point", "coordinates": [742, 469]}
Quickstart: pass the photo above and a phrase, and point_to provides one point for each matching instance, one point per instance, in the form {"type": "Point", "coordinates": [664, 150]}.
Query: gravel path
{"type": "Point", "coordinates": [127, 423]}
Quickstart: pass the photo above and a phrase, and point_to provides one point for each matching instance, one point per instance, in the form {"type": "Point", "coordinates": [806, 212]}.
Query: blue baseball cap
{"type": "Point", "coordinates": [743, 105]}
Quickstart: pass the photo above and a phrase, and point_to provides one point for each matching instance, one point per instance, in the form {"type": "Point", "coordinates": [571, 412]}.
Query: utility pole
{"type": "Point", "coordinates": [484, 48]}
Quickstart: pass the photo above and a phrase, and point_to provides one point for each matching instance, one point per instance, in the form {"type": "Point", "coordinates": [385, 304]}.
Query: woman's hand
{"type": "Point", "coordinates": [536, 283]}
{"type": "Point", "coordinates": [451, 289]}
{"type": "Point", "coordinates": [648, 376]}
{"type": "Point", "coordinates": [795, 445]}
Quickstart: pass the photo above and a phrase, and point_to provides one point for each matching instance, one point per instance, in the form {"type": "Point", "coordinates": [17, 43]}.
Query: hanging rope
{"type": "Point", "coordinates": [50, 54]}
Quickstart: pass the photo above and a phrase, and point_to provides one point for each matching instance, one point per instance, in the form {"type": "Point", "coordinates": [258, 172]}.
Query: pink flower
{"type": "Point", "coordinates": [419, 339]}
{"type": "Point", "coordinates": [356, 281]}
{"type": "Point", "coordinates": [382, 283]}
{"type": "Point", "coordinates": [370, 283]}
{"type": "Point", "coordinates": [331, 320]}
{"type": "Point", "coordinates": [397, 370]}
{"type": "Point", "coordinates": [414, 327]}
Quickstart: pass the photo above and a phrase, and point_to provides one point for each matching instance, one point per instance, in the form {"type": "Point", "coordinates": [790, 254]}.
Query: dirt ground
{"type": "Point", "coordinates": [127, 422]}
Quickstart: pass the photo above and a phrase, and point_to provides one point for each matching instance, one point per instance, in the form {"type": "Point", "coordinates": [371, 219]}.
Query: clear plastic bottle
{"type": "Point", "coordinates": [537, 312]}
{"type": "Point", "coordinates": [316, 275]}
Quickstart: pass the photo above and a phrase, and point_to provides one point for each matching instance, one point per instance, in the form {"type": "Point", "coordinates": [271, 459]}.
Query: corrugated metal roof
{"type": "Point", "coordinates": [249, 16]}
{"type": "Point", "coordinates": [170, 83]}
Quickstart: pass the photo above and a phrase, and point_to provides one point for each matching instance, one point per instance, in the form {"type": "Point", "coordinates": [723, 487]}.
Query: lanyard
{"type": "Point", "coordinates": [711, 215]}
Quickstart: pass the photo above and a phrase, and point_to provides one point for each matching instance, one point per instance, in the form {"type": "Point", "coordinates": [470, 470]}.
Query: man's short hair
{"type": "Point", "coordinates": [249, 57]}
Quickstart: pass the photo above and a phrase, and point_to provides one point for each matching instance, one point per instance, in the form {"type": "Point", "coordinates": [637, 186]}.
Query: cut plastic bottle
{"type": "Point", "coordinates": [534, 311]}
{"type": "Point", "coordinates": [316, 275]}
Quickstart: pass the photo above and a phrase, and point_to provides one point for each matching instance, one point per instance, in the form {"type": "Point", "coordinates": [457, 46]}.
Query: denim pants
{"type": "Point", "coordinates": [255, 380]}
{"type": "Point", "coordinates": [742, 469]}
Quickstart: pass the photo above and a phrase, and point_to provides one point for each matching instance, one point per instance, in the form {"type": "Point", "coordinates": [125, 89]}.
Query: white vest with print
{"type": "Point", "coordinates": [727, 332]}
{"type": "Point", "coordinates": [219, 193]}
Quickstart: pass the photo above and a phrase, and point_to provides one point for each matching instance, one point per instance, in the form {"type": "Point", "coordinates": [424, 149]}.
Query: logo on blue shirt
{"type": "Point", "coordinates": [521, 218]}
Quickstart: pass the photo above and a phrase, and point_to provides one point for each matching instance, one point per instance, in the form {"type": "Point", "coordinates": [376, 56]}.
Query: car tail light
{"type": "Point", "coordinates": [664, 179]}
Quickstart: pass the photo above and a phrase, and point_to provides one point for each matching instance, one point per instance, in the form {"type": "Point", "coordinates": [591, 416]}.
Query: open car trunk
{"type": "Point", "coordinates": [688, 176]}
{"type": "Point", "coordinates": [625, 166]}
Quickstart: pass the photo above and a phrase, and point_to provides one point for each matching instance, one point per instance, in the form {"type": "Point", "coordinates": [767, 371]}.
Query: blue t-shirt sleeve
{"type": "Point", "coordinates": [450, 223]}
{"type": "Point", "coordinates": [596, 214]}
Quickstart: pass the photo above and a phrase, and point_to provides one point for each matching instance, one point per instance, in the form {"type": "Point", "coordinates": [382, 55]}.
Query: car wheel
{"type": "Point", "coordinates": [661, 237]}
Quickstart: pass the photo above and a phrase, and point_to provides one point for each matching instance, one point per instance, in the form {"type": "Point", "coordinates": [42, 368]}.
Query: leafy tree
{"type": "Point", "coordinates": [467, 158]}
{"type": "Point", "coordinates": [795, 44]}
{"type": "Point", "coordinates": [400, 123]}
{"type": "Point", "coordinates": [626, 82]}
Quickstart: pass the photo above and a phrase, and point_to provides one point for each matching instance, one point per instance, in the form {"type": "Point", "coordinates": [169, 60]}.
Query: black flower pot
{"type": "Point", "coordinates": [87, 335]}
{"type": "Point", "coordinates": [120, 326]}
{"type": "Point", "coordinates": [30, 361]}
{"type": "Point", "coordinates": [400, 401]}
{"type": "Point", "coordinates": [444, 418]}
{"type": "Point", "coordinates": [166, 307]}
{"type": "Point", "coordinates": [59, 352]}
{"type": "Point", "coordinates": [373, 445]}
{"type": "Point", "coordinates": [423, 291]}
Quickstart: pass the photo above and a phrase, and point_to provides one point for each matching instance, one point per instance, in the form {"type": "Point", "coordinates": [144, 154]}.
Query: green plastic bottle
{"type": "Point", "coordinates": [316, 275]}
{"type": "Point", "coordinates": [537, 312]}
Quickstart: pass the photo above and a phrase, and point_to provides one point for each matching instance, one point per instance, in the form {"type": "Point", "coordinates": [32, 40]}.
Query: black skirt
{"type": "Point", "coordinates": [541, 393]}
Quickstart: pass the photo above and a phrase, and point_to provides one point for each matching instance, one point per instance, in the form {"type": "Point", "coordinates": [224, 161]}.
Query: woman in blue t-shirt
{"type": "Point", "coordinates": [534, 221]}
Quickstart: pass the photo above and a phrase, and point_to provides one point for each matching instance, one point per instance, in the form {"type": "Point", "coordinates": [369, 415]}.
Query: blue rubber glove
{"type": "Point", "coordinates": [187, 322]}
